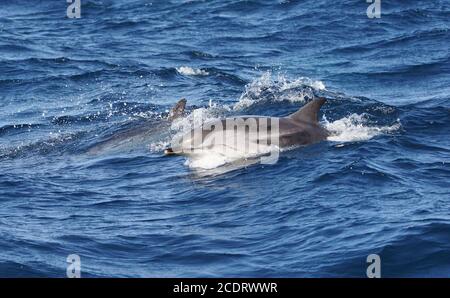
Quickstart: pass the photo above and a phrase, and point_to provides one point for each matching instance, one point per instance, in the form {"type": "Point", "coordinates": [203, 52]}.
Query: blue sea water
{"type": "Point", "coordinates": [379, 185]}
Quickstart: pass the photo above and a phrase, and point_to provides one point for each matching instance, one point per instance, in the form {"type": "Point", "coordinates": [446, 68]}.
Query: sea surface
{"type": "Point", "coordinates": [379, 185]}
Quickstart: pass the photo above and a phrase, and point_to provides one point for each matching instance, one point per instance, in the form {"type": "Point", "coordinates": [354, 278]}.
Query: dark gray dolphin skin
{"type": "Point", "coordinates": [136, 136]}
{"type": "Point", "coordinates": [298, 129]}
{"type": "Point", "coordinates": [302, 127]}
{"type": "Point", "coordinates": [177, 110]}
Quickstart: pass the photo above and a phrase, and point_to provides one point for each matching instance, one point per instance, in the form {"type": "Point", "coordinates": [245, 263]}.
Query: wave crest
{"type": "Point", "coordinates": [189, 71]}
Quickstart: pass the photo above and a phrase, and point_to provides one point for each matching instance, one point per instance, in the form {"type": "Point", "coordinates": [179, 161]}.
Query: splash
{"type": "Point", "coordinates": [198, 117]}
{"type": "Point", "coordinates": [356, 128]}
{"type": "Point", "coordinates": [159, 146]}
{"type": "Point", "coordinates": [277, 88]}
{"type": "Point", "coordinates": [189, 71]}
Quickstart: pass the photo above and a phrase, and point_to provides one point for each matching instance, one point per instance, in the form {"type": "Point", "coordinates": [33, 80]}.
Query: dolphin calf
{"type": "Point", "coordinates": [243, 137]}
{"type": "Point", "coordinates": [138, 134]}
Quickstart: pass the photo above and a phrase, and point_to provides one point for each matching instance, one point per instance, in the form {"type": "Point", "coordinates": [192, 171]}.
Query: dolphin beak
{"type": "Point", "coordinates": [173, 151]}
{"type": "Point", "coordinates": [169, 151]}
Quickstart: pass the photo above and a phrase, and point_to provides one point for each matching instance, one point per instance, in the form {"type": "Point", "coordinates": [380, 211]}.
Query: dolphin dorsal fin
{"type": "Point", "coordinates": [177, 109]}
{"type": "Point", "coordinates": [309, 112]}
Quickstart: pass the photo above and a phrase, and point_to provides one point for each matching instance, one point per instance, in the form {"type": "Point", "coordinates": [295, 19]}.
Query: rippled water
{"type": "Point", "coordinates": [380, 184]}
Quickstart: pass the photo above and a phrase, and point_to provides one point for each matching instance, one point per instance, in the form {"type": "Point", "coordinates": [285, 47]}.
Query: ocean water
{"type": "Point", "coordinates": [378, 185]}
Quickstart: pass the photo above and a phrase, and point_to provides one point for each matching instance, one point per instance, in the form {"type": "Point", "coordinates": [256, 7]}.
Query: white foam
{"type": "Point", "coordinates": [279, 88]}
{"type": "Point", "coordinates": [355, 128]}
{"type": "Point", "coordinates": [189, 71]}
{"type": "Point", "coordinates": [159, 146]}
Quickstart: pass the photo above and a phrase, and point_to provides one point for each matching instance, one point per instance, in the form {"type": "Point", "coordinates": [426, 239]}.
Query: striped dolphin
{"type": "Point", "coordinates": [138, 135]}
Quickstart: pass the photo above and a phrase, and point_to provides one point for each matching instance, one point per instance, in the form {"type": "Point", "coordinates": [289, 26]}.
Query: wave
{"type": "Point", "coordinates": [193, 54]}
{"type": "Point", "coordinates": [127, 110]}
{"type": "Point", "coordinates": [415, 36]}
{"type": "Point", "coordinates": [19, 127]}
{"type": "Point", "coordinates": [52, 143]}
{"type": "Point", "coordinates": [189, 71]}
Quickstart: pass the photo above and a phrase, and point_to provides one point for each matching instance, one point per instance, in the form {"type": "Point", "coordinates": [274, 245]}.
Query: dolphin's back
{"type": "Point", "coordinates": [301, 133]}
{"type": "Point", "coordinates": [298, 129]}
{"type": "Point", "coordinates": [309, 112]}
